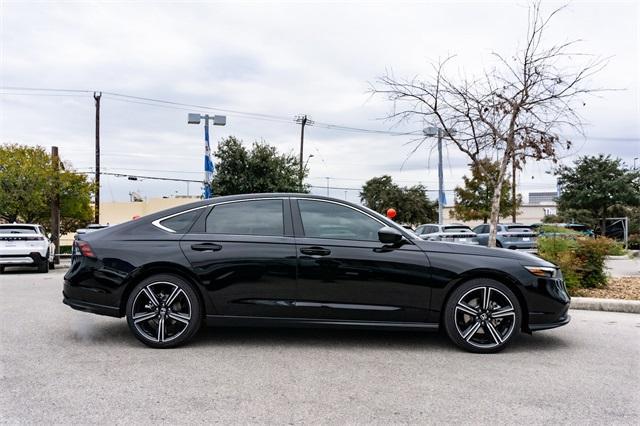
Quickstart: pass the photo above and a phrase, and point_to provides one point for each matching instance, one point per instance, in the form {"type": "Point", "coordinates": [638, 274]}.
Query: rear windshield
{"type": "Point", "coordinates": [519, 228]}
{"type": "Point", "coordinates": [457, 229]}
{"type": "Point", "coordinates": [17, 230]}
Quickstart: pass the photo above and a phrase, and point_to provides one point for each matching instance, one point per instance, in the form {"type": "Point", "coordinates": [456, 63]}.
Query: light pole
{"type": "Point", "coordinates": [634, 162]}
{"type": "Point", "coordinates": [431, 132]}
{"type": "Point", "coordinates": [218, 120]}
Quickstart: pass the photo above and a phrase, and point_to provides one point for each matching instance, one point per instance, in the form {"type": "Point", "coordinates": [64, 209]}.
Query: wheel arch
{"type": "Point", "coordinates": [156, 268]}
{"type": "Point", "coordinates": [493, 274]}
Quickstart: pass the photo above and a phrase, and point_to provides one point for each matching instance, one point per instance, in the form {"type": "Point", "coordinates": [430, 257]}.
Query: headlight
{"type": "Point", "coordinates": [542, 271]}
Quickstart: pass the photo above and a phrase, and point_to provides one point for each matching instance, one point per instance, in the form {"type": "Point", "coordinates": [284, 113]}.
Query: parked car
{"type": "Point", "coordinates": [25, 245]}
{"type": "Point", "coordinates": [551, 229]}
{"type": "Point", "coordinates": [515, 236]}
{"type": "Point", "coordinates": [454, 233]}
{"type": "Point", "coordinates": [90, 228]}
{"type": "Point", "coordinates": [305, 261]}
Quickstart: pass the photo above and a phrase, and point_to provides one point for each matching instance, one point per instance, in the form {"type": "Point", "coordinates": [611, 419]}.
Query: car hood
{"type": "Point", "coordinates": [473, 250]}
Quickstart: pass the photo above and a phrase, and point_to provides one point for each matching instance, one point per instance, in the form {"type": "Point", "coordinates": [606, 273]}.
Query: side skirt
{"type": "Point", "coordinates": [238, 321]}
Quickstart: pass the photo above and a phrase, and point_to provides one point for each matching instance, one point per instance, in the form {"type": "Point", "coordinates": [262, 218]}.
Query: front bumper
{"type": "Point", "coordinates": [562, 321]}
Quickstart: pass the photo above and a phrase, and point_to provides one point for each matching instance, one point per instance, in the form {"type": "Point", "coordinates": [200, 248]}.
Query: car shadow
{"type": "Point", "coordinates": [117, 333]}
{"type": "Point", "coordinates": [357, 339]}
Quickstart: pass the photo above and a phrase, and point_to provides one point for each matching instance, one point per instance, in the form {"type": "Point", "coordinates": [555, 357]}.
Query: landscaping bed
{"type": "Point", "coordinates": [627, 288]}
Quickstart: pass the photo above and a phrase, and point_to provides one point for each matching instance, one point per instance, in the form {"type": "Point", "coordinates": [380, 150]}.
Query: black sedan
{"type": "Point", "coordinates": [305, 261]}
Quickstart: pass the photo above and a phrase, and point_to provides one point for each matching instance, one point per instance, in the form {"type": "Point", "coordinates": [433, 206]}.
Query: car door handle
{"type": "Point", "coordinates": [206, 247]}
{"type": "Point", "coordinates": [315, 251]}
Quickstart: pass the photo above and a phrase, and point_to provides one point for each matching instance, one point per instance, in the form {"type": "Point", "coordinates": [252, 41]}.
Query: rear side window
{"type": "Point", "coordinates": [255, 217]}
{"type": "Point", "coordinates": [182, 222]}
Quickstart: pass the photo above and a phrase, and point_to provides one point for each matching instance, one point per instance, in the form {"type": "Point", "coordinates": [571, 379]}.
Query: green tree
{"type": "Point", "coordinates": [473, 200]}
{"type": "Point", "coordinates": [261, 169]}
{"type": "Point", "coordinates": [411, 204]}
{"type": "Point", "coordinates": [27, 187]}
{"type": "Point", "coordinates": [599, 185]}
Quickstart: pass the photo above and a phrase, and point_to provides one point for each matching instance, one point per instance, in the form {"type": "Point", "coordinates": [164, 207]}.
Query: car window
{"type": "Point", "coordinates": [329, 220]}
{"type": "Point", "coordinates": [179, 223]}
{"type": "Point", "coordinates": [457, 229]}
{"type": "Point", "coordinates": [480, 229]}
{"type": "Point", "coordinates": [519, 229]}
{"type": "Point", "coordinates": [255, 217]}
{"type": "Point", "coordinates": [419, 230]}
{"type": "Point", "coordinates": [17, 230]}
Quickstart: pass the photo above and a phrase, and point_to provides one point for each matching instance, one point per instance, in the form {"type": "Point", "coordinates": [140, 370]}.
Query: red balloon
{"type": "Point", "coordinates": [391, 213]}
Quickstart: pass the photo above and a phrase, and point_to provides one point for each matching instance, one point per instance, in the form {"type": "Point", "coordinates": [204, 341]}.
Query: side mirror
{"type": "Point", "coordinates": [388, 235]}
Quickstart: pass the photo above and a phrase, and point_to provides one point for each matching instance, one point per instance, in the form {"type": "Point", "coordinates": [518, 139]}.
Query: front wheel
{"type": "Point", "coordinates": [482, 316]}
{"type": "Point", "coordinates": [163, 311]}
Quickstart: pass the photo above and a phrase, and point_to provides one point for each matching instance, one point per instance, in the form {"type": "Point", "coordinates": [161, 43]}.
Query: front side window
{"type": "Point", "coordinates": [255, 217]}
{"type": "Point", "coordinates": [329, 220]}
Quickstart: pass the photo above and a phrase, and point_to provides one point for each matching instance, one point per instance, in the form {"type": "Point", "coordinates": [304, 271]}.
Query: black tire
{"type": "Point", "coordinates": [166, 301]}
{"type": "Point", "coordinates": [43, 264]}
{"type": "Point", "coordinates": [498, 244]}
{"type": "Point", "coordinates": [1, 269]}
{"type": "Point", "coordinates": [480, 326]}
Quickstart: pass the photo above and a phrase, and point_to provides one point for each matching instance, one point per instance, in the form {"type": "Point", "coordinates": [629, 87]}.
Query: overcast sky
{"type": "Point", "coordinates": [281, 59]}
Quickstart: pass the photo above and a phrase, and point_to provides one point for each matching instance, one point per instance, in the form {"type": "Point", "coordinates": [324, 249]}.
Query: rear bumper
{"type": "Point", "coordinates": [93, 308]}
{"type": "Point", "coordinates": [22, 259]}
{"type": "Point", "coordinates": [88, 299]}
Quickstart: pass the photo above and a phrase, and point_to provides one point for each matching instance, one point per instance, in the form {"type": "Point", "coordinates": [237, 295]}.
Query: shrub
{"type": "Point", "coordinates": [581, 260]}
{"type": "Point", "coordinates": [617, 249]}
{"type": "Point", "coordinates": [634, 242]}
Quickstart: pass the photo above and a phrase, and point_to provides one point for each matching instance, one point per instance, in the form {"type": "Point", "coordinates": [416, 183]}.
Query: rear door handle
{"type": "Point", "coordinates": [315, 251]}
{"type": "Point", "coordinates": [206, 247]}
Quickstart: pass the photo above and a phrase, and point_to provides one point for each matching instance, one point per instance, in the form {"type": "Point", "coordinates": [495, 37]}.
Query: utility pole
{"type": "Point", "coordinates": [514, 212]}
{"type": "Point", "coordinates": [97, 96]}
{"type": "Point", "coordinates": [440, 180]}
{"type": "Point", "coordinates": [303, 120]}
{"type": "Point", "coordinates": [55, 203]}
{"type": "Point", "coordinates": [328, 178]}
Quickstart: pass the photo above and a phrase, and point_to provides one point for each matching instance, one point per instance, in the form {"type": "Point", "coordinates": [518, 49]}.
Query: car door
{"type": "Point", "coordinates": [346, 273]}
{"type": "Point", "coordinates": [244, 254]}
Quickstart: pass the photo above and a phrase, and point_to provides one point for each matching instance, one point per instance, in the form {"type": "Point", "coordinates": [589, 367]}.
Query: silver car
{"type": "Point", "coordinates": [454, 233]}
{"type": "Point", "coordinates": [515, 236]}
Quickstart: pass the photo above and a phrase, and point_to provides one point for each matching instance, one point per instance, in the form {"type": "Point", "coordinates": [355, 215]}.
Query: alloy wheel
{"type": "Point", "coordinates": [484, 317]}
{"type": "Point", "coordinates": [161, 311]}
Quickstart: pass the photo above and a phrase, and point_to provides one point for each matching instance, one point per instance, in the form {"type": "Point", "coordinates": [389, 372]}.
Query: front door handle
{"type": "Point", "coordinates": [315, 251]}
{"type": "Point", "coordinates": [206, 247]}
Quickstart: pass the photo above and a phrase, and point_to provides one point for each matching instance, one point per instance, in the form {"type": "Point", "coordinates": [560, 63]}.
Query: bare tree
{"type": "Point", "coordinates": [515, 111]}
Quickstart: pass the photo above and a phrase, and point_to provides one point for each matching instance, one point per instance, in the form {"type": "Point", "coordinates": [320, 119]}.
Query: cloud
{"type": "Point", "coordinates": [280, 59]}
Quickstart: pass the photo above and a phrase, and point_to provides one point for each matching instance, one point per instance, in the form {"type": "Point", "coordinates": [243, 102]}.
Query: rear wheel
{"type": "Point", "coordinates": [43, 265]}
{"type": "Point", "coordinates": [483, 316]}
{"type": "Point", "coordinates": [163, 311]}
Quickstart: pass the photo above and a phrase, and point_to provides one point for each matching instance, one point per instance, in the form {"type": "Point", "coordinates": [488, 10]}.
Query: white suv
{"type": "Point", "coordinates": [25, 245]}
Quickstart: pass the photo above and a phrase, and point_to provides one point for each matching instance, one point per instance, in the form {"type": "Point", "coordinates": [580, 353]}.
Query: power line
{"type": "Point", "coordinates": [180, 105]}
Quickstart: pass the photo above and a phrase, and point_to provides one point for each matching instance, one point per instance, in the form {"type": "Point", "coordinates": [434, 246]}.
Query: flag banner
{"type": "Point", "coordinates": [209, 167]}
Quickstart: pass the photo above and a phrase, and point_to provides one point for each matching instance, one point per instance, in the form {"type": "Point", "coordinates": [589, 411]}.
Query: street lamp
{"type": "Point", "coordinates": [432, 132]}
{"type": "Point", "coordinates": [218, 120]}
{"type": "Point", "coordinates": [634, 162]}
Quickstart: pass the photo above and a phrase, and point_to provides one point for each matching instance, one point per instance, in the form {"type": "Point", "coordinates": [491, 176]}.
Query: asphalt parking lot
{"type": "Point", "coordinates": [63, 366]}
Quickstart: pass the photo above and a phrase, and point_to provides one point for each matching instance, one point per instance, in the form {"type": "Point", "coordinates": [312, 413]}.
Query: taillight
{"type": "Point", "coordinates": [83, 248]}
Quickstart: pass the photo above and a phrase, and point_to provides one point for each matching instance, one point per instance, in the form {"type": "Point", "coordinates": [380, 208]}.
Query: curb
{"type": "Point", "coordinates": [610, 305]}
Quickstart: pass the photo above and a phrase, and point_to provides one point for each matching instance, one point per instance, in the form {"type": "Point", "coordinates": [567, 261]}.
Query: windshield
{"type": "Point", "coordinates": [519, 228]}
